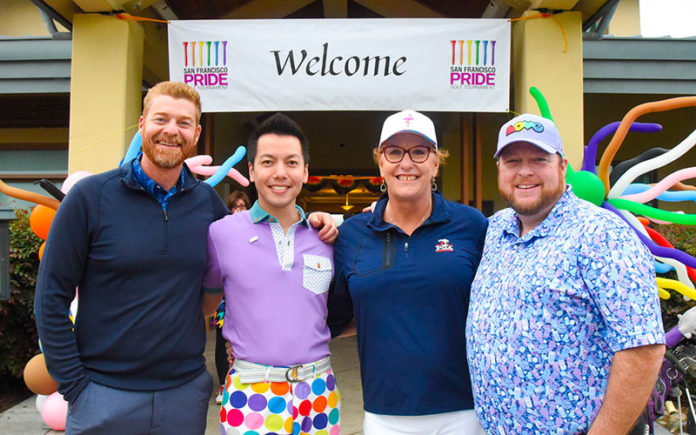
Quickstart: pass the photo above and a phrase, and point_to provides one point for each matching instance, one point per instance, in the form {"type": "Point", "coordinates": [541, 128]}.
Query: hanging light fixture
{"type": "Point", "coordinates": [347, 206]}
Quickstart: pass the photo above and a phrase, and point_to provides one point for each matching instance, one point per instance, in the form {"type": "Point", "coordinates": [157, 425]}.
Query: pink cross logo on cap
{"type": "Point", "coordinates": [408, 119]}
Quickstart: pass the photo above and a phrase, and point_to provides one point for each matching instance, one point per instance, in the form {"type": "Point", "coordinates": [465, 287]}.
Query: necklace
{"type": "Point", "coordinates": [427, 212]}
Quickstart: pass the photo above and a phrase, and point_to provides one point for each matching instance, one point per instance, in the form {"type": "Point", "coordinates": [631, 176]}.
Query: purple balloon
{"type": "Point", "coordinates": [654, 248]}
{"type": "Point", "coordinates": [588, 161]}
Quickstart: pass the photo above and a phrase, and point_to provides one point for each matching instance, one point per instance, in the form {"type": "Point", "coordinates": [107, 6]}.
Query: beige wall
{"type": "Point", "coordinates": [22, 18]}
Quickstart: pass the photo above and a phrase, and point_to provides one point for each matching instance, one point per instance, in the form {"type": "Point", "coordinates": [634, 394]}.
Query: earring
{"type": "Point", "coordinates": [383, 187]}
{"type": "Point", "coordinates": [434, 186]}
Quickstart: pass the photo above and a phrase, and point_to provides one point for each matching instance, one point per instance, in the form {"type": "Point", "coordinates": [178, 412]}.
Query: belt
{"type": "Point", "coordinates": [251, 373]}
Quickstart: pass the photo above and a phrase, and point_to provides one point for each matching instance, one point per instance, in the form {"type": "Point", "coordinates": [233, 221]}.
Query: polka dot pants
{"type": "Point", "coordinates": [309, 407]}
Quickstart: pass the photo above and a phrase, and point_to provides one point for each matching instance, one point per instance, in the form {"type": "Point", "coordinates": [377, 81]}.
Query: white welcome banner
{"type": "Point", "coordinates": [344, 64]}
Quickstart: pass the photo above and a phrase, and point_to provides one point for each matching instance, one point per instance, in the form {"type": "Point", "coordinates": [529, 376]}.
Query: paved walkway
{"type": "Point", "coordinates": [24, 419]}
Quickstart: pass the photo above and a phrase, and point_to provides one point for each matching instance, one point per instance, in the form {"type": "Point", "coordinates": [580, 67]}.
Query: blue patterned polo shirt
{"type": "Point", "coordinates": [549, 310]}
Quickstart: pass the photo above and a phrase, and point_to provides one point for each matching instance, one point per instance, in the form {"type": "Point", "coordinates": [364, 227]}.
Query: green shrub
{"type": "Point", "coordinates": [18, 336]}
{"type": "Point", "coordinates": [683, 237]}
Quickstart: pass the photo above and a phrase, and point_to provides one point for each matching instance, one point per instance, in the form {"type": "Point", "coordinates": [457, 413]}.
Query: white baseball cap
{"type": "Point", "coordinates": [408, 121]}
{"type": "Point", "coordinates": [532, 129]}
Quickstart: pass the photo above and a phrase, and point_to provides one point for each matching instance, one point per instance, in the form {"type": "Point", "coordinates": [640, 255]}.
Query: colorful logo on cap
{"type": "Point", "coordinates": [408, 119]}
{"type": "Point", "coordinates": [524, 125]}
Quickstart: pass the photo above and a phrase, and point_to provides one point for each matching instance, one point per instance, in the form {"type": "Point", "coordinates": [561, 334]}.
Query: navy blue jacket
{"type": "Point", "coordinates": [409, 296]}
{"type": "Point", "coordinates": [139, 269]}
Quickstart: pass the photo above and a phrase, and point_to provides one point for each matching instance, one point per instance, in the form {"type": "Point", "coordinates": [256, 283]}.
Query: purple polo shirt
{"type": "Point", "coordinates": [272, 316]}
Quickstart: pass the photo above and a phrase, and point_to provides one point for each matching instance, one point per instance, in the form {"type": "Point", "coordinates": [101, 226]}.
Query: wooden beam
{"type": "Point", "coordinates": [565, 5]}
{"type": "Point", "coordinates": [399, 8]}
{"type": "Point", "coordinates": [335, 8]}
{"type": "Point", "coordinates": [99, 5]}
{"type": "Point", "coordinates": [267, 9]}
{"type": "Point", "coordinates": [64, 8]}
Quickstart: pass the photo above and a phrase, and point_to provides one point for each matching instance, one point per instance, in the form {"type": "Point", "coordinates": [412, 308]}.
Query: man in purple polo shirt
{"type": "Point", "coordinates": [276, 273]}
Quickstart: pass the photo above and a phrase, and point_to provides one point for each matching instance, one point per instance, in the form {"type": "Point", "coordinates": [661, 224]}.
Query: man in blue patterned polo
{"type": "Point", "coordinates": [564, 333]}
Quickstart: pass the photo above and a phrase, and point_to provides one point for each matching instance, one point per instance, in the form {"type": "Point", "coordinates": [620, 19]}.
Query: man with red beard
{"type": "Point", "coordinates": [133, 240]}
{"type": "Point", "coordinates": [564, 332]}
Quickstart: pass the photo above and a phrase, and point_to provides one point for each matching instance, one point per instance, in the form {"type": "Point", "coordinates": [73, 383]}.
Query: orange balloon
{"type": "Point", "coordinates": [37, 378]}
{"type": "Point", "coordinates": [40, 220]}
{"type": "Point", "coordinates": [41, 249]}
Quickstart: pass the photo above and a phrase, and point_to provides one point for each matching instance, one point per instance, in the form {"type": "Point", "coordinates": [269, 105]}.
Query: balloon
{"type": "Point", "coordinates": [654, 248]}
{"type": "Point", "coordinates": [669, 196]}
{"type": "Point", "coordinates": [37, 378]}
{"type": "Point", "coordinates": [72, 179]}
{"type": "Point", "coordinates": [133, 148]}
{"type": "Point", "coordinates": [662, 267]}
{"type": "Point", "coordinates": [73, 309]}
{"type": "Point", "coordinates": [40, 401]}
{"type": "Point", "coordinates": [663, 185]}
{"type": "Point", "coordinates": [632, 115]}
{"type": "Point", "coordinates": [41, 249]}
{"type": "Point", "coordinates": [646, 210]}
{"type": "Point", "coordinates": [649, 165]}
{"type": "Point", "coordinates": [588, 161]}
{"type": "Point", "coordinates": [25, 195]}
{"type": "Point", "coordinates": [586, 185]}
{"type": "Point", "coordinates": [677, 286]}
{"type": "Point", "coordinates": [200, 160]}
{"type": "Point", "coordinates": [541, 102]}
{"type": "Point", "coordinates": [622, 167]}
{"type": "Point", "coordinates": [55, 412]}
{"type": "Point", "coordinates": [40, 220]}
{"type": "Point", "coordinates": [225, 168]}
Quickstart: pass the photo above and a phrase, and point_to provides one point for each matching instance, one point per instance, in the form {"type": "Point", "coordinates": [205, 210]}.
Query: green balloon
{"type": "Point", "coordinates": [586, 185]}
{"type": "Point", "coordinates": [646, 210]}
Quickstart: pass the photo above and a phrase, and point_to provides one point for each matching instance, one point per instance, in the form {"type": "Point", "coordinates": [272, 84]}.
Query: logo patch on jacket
{"type": "Point", "coordinates": [444, 245]}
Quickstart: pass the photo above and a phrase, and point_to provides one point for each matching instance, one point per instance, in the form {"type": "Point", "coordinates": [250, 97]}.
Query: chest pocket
{"type": "Point", "coordinates": [316, 273]}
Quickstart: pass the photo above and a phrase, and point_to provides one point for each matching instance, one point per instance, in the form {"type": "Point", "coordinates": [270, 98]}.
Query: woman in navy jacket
{"type": "Point", "coordinates": [403, 272]}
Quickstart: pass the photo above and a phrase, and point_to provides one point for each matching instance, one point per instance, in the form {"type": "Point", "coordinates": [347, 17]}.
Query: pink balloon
{"type": "Point", "coordinates": [199, 165]}
{"type": "Point", "coordinates": [666, 183]}
{"type": "Point", "coordinates": [72, 179]}
{"type": "Point", "coordinates": [198, 161]}
{"type": "Point", "coordinates": [55, 411]}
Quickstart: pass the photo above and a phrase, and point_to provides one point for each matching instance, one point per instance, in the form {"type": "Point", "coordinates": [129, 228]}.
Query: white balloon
{"type": "Point", "coordinates": [40, 400]}
{"type": "Point", "coordinates": [72, 179]}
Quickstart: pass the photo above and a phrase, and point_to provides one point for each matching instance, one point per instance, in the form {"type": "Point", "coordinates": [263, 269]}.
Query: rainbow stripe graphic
{"type": "Point", "coordinates": [205, 53]}
{"type": "Point", "coordinates": [477, 52]}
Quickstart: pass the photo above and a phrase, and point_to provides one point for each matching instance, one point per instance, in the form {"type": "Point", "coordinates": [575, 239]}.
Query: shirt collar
{"type": "Point", "coordinates": [148, 183]}
{"type": "Point", "coordinates": [258, 215]}
{"type": "Point", "coordinates": [552, 220]}
{"type": "Point", "coordinates": [438, 214]}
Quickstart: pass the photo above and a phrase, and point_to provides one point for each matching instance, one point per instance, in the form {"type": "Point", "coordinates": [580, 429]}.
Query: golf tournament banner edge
{"type": "Point", "coordinates": [446, 65]}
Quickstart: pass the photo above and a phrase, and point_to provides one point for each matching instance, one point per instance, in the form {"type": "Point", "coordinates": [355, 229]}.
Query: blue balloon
{"type": "Point", "coordinates": [662, 267]}
{"type": "Point", "coordinates": [133, 148]}
{"type": "Point", "coordinates": [669, 195]}
{"type": "Point", "coordinates": [232, 160]}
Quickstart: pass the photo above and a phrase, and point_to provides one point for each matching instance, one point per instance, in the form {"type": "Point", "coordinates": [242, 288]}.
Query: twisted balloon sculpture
{"type": "Point", "coordinates": [618, 195]}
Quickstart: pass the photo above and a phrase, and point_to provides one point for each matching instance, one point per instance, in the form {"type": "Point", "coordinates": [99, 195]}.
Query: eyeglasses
{"type": "Point", "coordinates": [395, 153]}
{"type": "Point", "coordinates": [239, 206]}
